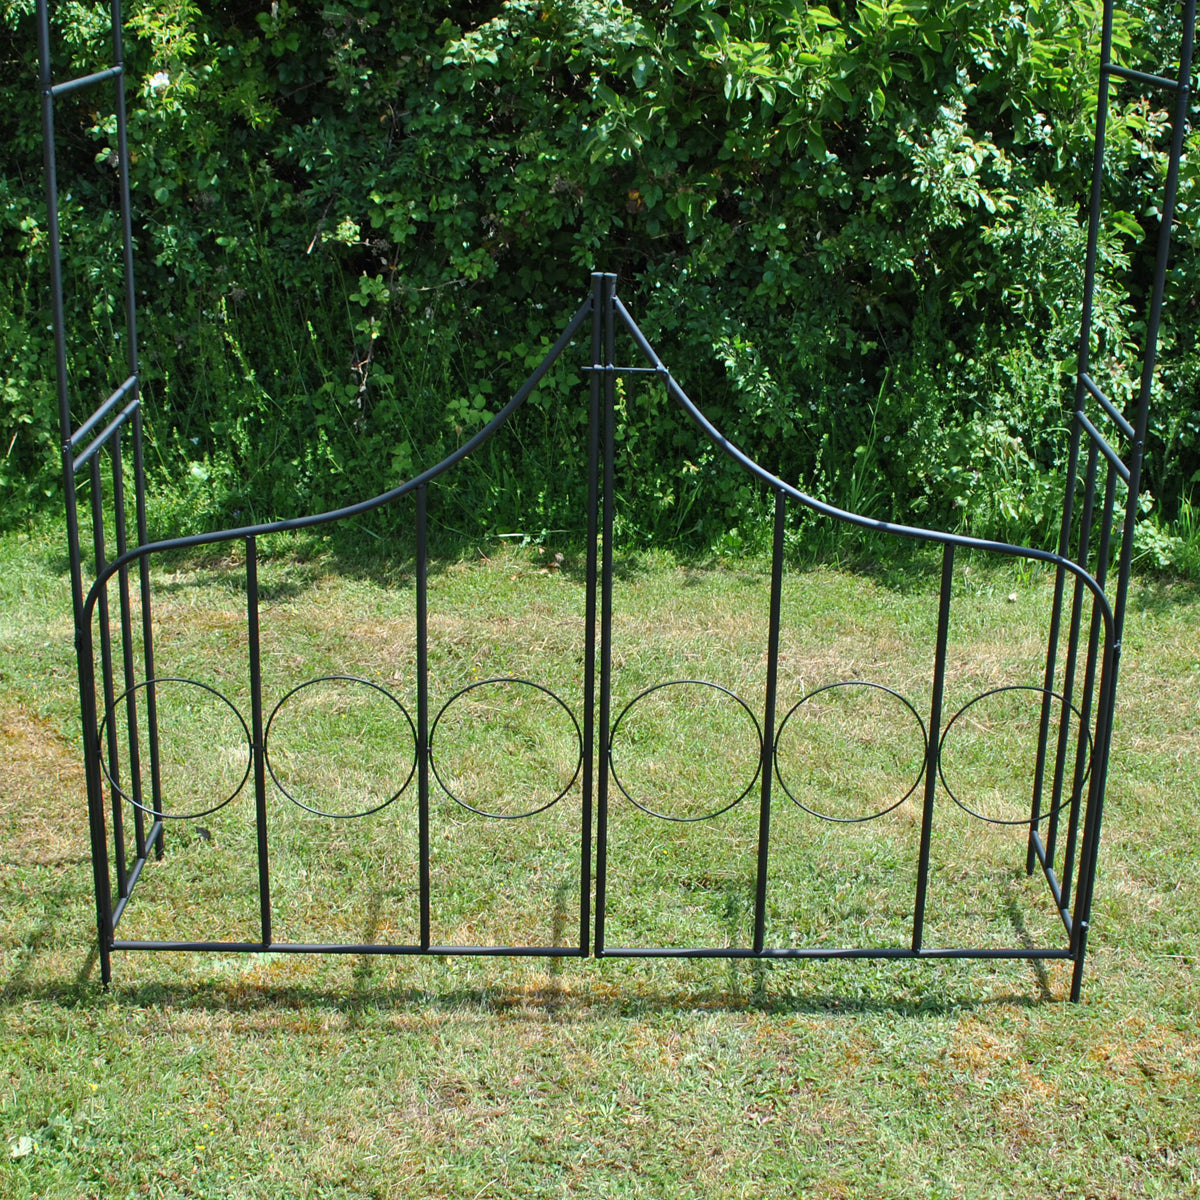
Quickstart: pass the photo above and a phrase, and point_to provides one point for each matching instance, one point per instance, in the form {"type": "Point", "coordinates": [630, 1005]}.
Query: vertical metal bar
{"type": "Point", "coordinates": [133, 360]}
{"type": "Point", "coordinates": [62, 383]}
{"type": "Point", "coordinates": [1068, 860]}
{"type": "Point", "coordinates": [1083, 365]}
{"type": "Point", "coordinates": [768, 748]}
{"type": "Point", "coordinates": [1094, 210]}
{"type": "Point", "coordinates": [1039, 767]}
{"type": "Point", "coordinates": [423, 715]}
{"type": "Point", "coordinates": [606, 589]}
{"type": "Point", "coordinates": [589, 653]}
{"type": "Point", "coordinates": [1112, 657]}
{"type": "Point", "coordinates": [134, 369]}
{"type": "Point", "coordinates": [83, 642]}
{"type": "Point", "coordinates": [934, 747]}
{"type": "Point", "coordinates": [1103, 552]}
{"type": "Point", "coordinates": [1137, 448]}
{"type": "Point", "coordinates": [95, 791]}
{"type": "Point", "coordinates": [1095, 811]}
{"type": "Point", "coordinates": [256, 732]}
{"type": "Point", "coordinates": [139, 483]}
{"type": "Point", "coordinates": [107, 689]}
{"type": "Point", "coordinates": [1069, 669]}
{"type": "Point", "coordinates": [131, 719]}
{"type": "Point", "coordinates": [1052, 636]}
{"type": "Point", "coordinates": [53, 231]}
{"type": "Point", "coordinates": [123, 164]}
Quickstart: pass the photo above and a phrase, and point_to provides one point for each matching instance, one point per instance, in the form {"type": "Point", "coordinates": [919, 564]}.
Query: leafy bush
{"type": "Point", "coordinates": [854, 231]}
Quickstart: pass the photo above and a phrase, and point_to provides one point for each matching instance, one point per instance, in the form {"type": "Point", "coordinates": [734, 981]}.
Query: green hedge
{"type": "Point", "coordinates": [854, 231]}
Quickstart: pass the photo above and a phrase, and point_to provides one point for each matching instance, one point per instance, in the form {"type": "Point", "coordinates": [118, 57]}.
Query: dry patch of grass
{"type": "Point", "coordinates": [41, 779]}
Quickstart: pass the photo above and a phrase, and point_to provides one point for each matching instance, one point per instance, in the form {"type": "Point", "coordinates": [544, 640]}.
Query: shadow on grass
{"type": "Point", "coordinates": [588, 998]}
{"type": "Point", "coordinates": [1017, 919]}
{"type": "Point", "coordinates": [385, 558]}
{"type": "Point", "coordinates": [1163, 595]}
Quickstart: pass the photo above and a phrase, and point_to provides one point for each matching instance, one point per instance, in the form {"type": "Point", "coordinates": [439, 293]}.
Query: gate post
{"type": "Point", "coordinates": [607, 287]}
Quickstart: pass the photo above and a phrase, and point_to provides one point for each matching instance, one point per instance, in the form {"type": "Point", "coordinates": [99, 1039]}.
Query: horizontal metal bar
{"type": "Point", "coordinates": [821, 952]}
{"type": "Point", "coordinates": [129, 885]}
{"type": "Point", "coordinates": [1105, 449]}
{"type": "Point", "coordinates": [1105, 403]}
{"type": "Point", "coordinates": [103, 411]}
{"type": "Point", "coordinates": [882, 952]}
{"type": "Point", "coordinates": [1039, 847]}
{"type": "Point", "coordinates": [346, 948]}
{"type": "Point", "coordinates": [515, 951]}
{"type": "Point", "coordinates": [155, 833]}
{"type": "Point", "coordinates": [97, 444]}
{"type": "Point", "coordinates": [73, 85]}
{"type": "Point", "coordinates": [1039, 850]}
{"type": "Point", "coordinates": [612, 370]}
{"type": "Point", "coordinates": [265, 947]}
{"type": "Point", "coordinates": [1141, 77]}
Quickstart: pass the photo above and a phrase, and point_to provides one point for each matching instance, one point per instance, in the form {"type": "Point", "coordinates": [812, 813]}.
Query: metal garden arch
{"type": "Point", "coordinates": [119, 688]}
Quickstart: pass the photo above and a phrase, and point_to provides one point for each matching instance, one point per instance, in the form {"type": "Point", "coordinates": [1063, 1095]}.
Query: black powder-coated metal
{"type": "Point", "coordinates": [540, 804]}
{"type": "Point", "coordinates": [769, 733]}
{"type": "Point", "coordinates": [1078, 683]}
{"type": "Point", "coordinates": [646, 804]}
{"type": "Point", "coordinates": [933, 743]}
{"type": "Point", "coordinates": [423, 717]}
{"type": "Point", "coordinates": [258, 741]}
{"type": "Point", "coordinates": [889, 802]}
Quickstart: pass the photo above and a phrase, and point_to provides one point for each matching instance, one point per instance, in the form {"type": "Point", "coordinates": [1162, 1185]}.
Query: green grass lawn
{"type": "Point", "coordinates": [284, 1075]}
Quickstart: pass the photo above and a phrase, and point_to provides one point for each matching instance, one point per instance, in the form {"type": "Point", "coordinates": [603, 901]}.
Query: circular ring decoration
{"type": "Point", "coordinates": [645, 806]}
{"type": "Point", "coordinates": [204, 687]}
{"type": "Point", "coordinates": [829, 687]}
{"type": "Point", "coordinates": [475, 808]}
{"type": "Point", "coordinates": [320, 812]}
{"type": "Point", "coordinates": [1024, 687]}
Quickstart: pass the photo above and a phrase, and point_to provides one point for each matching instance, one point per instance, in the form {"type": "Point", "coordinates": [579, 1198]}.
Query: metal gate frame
{"type": "Point", "coordinates": [1087, 616]}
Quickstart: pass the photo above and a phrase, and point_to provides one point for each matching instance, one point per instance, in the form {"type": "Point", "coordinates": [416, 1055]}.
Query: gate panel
{"type": "Point", "coordinates": [724, 786]}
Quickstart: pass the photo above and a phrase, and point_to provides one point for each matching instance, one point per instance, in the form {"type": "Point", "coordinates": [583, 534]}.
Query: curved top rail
{"type": "Point", "coordinates": [694, 415]}
{"type": "Point", "coordinates": [363, 506]}
{"type": "Point", "coordinates": [840, 514]}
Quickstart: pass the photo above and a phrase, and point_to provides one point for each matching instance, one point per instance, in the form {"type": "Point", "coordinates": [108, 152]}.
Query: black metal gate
{"type": "Point", "coordinates": [120, 690]}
